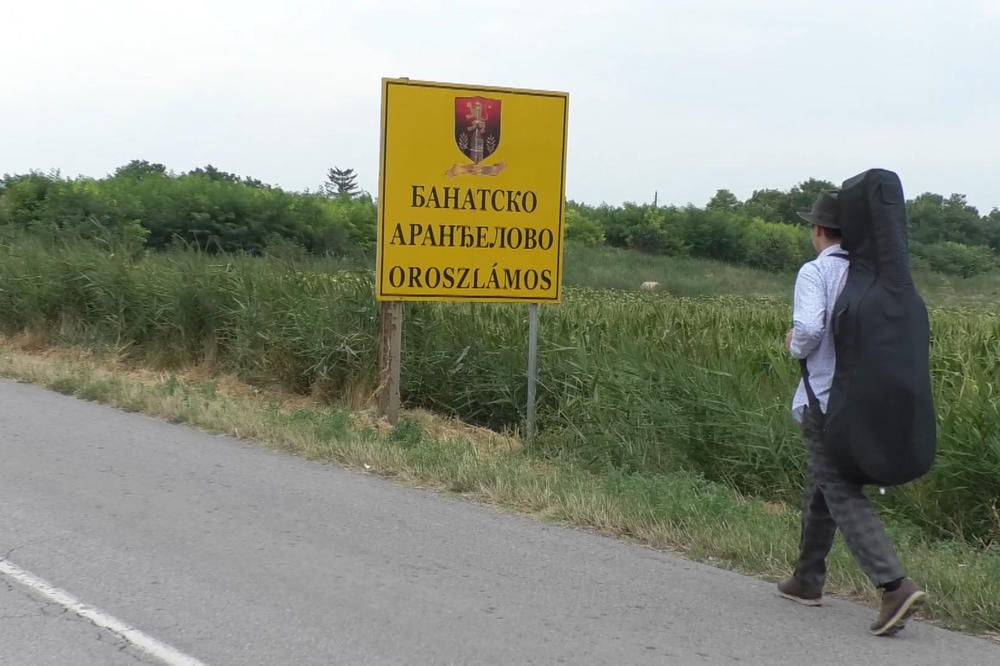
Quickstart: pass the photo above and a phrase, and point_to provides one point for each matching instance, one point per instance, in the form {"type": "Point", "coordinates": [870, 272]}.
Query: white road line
{"type": "Point", "coordinates": [141, 640]}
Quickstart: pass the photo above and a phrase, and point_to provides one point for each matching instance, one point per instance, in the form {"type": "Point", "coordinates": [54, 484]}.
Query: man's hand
{"type": "Point", "coordinates": [788, 340]}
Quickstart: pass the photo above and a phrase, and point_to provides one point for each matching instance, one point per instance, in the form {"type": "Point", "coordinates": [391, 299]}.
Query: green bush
{"type": "Point", "coordinates": [582, 229]}
{"type": "Point", "coordinates": [720, 234]}
{"type": "Point", "coordinates": [659, 231]}
{"type": "Point", "coordinates": [955, 258]}
{"type": "Point", "coordinates": [205, 209]}
{"type": "Point", "coordinates": [715, 234]}
{"type": "Point", "coordinates": [776, 247]}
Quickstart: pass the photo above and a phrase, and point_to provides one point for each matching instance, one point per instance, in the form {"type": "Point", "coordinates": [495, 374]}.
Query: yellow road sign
{"type": "Point", "coordinates": [471, 193]}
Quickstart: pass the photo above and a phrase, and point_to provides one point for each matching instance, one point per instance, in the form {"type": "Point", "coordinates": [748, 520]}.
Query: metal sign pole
{"type": "Point", "coordinates": [532, 367]}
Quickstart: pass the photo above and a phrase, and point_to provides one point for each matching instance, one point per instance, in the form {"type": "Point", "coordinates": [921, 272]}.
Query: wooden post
{"type": "Point", "coordinates": [390, 341]}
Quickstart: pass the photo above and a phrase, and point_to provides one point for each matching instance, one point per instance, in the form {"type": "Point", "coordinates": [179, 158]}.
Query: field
{"type": "Point", "coordinates": [611, 268]}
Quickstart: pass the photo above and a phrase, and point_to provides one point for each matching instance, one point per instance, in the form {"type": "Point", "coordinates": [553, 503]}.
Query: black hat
{"type": "Point", "coordinates": [824, 211]}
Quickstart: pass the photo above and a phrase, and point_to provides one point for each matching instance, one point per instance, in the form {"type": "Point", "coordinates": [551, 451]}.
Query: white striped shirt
{"type": "Point", "coordinates": [817, 287]}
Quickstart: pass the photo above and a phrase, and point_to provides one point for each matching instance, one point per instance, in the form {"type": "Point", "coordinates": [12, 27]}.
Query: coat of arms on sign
{"type": "Point", "coordinates": [477, 135]}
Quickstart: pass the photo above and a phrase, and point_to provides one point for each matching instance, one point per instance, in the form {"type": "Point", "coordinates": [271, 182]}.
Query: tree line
{"type": "Point", "coordinates": [765, 231]}
{"type": "Point", "coordinates": [144, 204]}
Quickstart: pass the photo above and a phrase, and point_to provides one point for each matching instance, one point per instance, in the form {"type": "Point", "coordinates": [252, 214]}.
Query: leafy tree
{"type": "Point", "coordinates": [341, 183]}
{"type": "Point", "coordinates": [715, 234]}
{"type": "Point", "coordinates": [724, 200]}
{"type": "Point", "coordinates": [140, 169]}
{"type": "Point", "coordinates": [212, 173]}
{"type": "Point", "coordinates": [801, 198]}
{"type": "Point", "coordinates": [774, 246]}
{"type": "Point", "coordinates": [766, 205]}
{"type": "Point", "coordinates": [934, 219]}
{"type": "Point", "coordinates": [991, 223]}
{"type": "Point", "coordinates": [956, 258]}
{"type": "Point", "coordinates": [581, 228]}
{"type": "Point", "coordinates": [630, 226]}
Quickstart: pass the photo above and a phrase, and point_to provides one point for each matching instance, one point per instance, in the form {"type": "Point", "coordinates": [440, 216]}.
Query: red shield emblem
{"type": "Point", "coordinates": [477, 126]}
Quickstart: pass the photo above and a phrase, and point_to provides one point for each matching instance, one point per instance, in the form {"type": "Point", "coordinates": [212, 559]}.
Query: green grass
{"type": "Point", "coordinates": [629, 382]}
{"type": "Point", "coordinates": [614, 268]}
{"type": "Point", "coordinates": [943, 290]}
{"type": "Point", "coordinates": [679, 511]}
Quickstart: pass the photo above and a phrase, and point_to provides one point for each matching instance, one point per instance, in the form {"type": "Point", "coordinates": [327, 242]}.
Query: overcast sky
{"type": "Point", "coordinates": [675, 96]}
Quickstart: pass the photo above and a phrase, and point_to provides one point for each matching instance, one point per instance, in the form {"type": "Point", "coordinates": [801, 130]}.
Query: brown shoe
{"type": "Point", "coordinates": [897, 606]}
{"type": "Point", "coordinates": [791, 588]}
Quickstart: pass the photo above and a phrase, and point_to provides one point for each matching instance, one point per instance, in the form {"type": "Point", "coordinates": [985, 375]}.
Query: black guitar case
{"type": "Point", "coordinates": [880, 423]}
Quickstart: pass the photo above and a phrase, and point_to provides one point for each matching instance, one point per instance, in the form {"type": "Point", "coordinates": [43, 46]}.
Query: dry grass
{"type": "Point", "coordinates": [30, 356]}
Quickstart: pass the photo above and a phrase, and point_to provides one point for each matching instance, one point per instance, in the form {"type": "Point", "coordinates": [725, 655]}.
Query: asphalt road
{"type": "Point", "coordinates": [232, 554]}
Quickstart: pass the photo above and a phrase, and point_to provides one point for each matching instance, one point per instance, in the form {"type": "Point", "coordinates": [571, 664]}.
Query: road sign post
{"type": "Point", "coordinates": [471, 200]}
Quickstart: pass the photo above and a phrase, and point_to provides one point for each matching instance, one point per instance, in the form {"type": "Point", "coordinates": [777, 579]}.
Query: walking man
{"type": "Point", "coordinates": [829, 500]}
